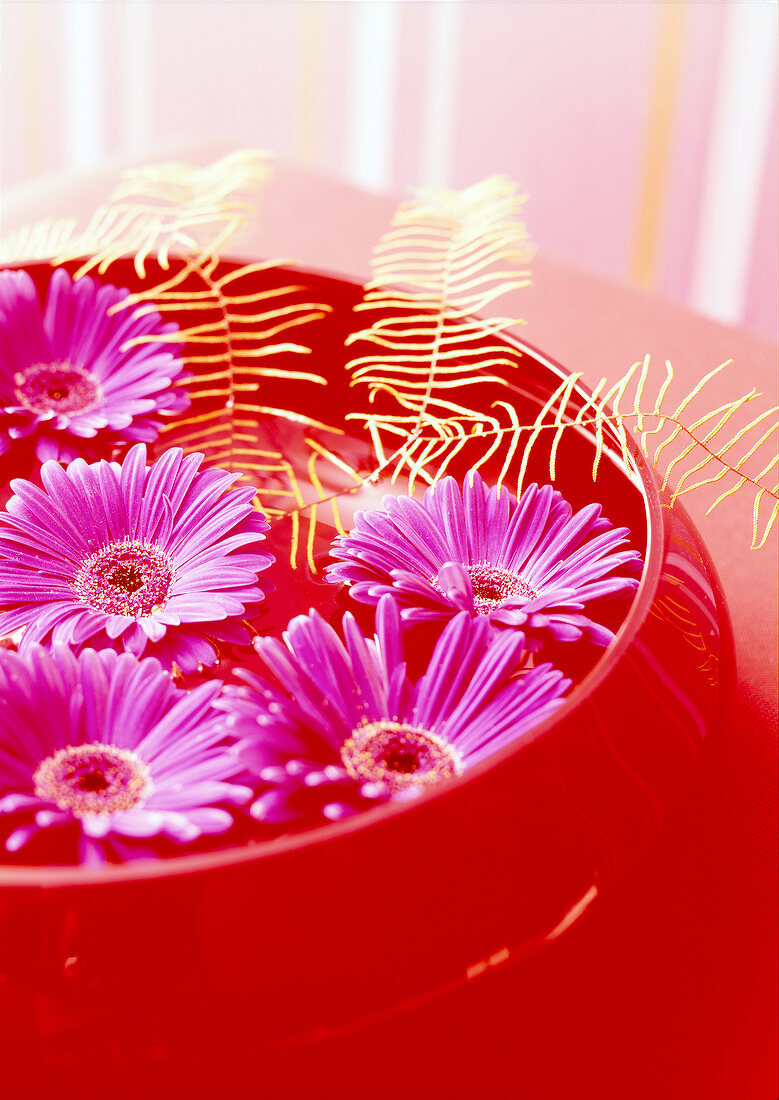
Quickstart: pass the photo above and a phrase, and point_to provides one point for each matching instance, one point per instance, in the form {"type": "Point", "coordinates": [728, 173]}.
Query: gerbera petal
{"type": "Point", "coordinates": [480, 549]}
{"type": "Point", "coordinates": [88, 559]}
{"type": "Point", "coordinates": [453, 664]}
{"type": "Point", "coordinates": [445, 503]}
{"type": "Point", "coordinates": [369, 732]}
{"type": "Point", "coordinates": [19, 837]}
{"type": "Point", "coordinates": [455, 586]}
{"type": "Point", "coordinates": [132, 480]}
{"type": "Point", "coordinates": [21, 322]}
{"type": "Point", "coordinates": [275, 807]}
{"type": "Point", "coordinates": [83, 369]}
{"type": "Point", "coordinates": [164, 758]}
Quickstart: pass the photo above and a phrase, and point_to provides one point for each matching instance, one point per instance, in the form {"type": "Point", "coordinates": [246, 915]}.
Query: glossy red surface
{"type": "Point", "coordinates": [239, 955]}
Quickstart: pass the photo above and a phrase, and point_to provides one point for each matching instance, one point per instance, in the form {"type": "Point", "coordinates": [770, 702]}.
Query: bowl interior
{"type": "Point", "coordinates": [304, 443]}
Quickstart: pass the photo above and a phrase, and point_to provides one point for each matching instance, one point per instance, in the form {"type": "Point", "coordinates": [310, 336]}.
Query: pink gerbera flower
{"type": "Point", "coordinates": [106, 745]}
{"type": "Point", "coordinates": [72, 375]}
{"type": "Point", "coordinates": [339, 726]}
{"type": "Point", "coordinates": [160, 561]}
{"type": "Point", "coordinates": [530, 563]}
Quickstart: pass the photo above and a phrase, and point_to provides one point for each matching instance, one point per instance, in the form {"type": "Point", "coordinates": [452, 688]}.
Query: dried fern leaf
{"type": "Point", "coordinates": [689, 452]}
{"type": "Point", "coordinates": [720, 445]}
{"type": "Point", "coordinates": [447, 255]}
{"type": "Point", "coordinates": [239, 336]}
{"type": "Point", "coordinates": [156, 211]}
{"type": "Point", "coordinates": [38, 242]}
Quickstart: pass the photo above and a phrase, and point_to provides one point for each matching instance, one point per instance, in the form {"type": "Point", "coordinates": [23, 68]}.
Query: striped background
{"type": "Point", "coordinates": [644, 133]}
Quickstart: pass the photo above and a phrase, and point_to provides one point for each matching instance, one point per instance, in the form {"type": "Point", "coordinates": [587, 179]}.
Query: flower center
{"type": "Point", "coordinates": [493, 586]}
{"type": "Point", "coordinates": [125, 578]}
{"type": "Point", "coordinates": [397, 756]}
{"type": "Point", "coordinates": [93, 779]}
{"type": "Point", "coordinates": [56, 387]}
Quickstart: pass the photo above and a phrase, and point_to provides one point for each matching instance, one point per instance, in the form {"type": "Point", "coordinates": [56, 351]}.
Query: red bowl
{"type": "Point", "coordinates": [205, 968]}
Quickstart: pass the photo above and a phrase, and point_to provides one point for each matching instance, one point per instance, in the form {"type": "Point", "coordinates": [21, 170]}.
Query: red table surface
{"type": "Point", "coordinates": [667, 987]}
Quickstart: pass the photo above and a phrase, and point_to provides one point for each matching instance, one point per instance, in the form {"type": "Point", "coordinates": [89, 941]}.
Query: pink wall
{"type": "Point", "coordinates": [561, 96]}
{"type": "Point", "coordinates": [559, 101]}
{"type": "Point", "coordinates": [761, 296]}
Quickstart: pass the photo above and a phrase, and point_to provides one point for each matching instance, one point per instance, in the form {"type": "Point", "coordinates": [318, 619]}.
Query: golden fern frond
{"type": "Point", "coordinates": [690, 449]}
{"type": "Point", "coordinates": [448, 255]}
{"type": "Point", "coordinates": [239, 329]}
{"type": "Point", "coordinates": [241, 347]}
{"type": "Point", "coordinates": [695, 449]}
{"type": "Point", "coordinates": [719, 447]}
{"type": "Point", "coordinates": [40, 241]}
{"type": "Point", "coordinates": [306, 492]}
{"type": "Point", "coordinates": [154, 212]}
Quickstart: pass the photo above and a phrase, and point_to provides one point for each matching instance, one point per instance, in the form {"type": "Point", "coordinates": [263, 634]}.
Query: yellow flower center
{"type": "Point", "coordinates": [396, 755]}
{"type": "Point", "coordinates": [93, 779]}
{"type": "Point", "coordinates": [56, 387]}
{"type": "Point", "coordinates": [493, 586]}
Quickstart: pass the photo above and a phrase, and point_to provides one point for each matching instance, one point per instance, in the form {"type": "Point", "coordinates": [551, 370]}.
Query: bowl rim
{"type": "Point", "coordinates": [70, 876]}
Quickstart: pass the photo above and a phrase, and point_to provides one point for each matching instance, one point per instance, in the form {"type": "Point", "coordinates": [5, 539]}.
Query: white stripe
{"type": "Point", "coordinates": [737, 158]}
{"type": "Point", "coordinates": [371, 94]}
{"type": "Point", "coordinates": [136, 77]}
{"type": "Point", "coordinates": [83, 86]}
{"type": "Point", "coordinates": [445, 22]}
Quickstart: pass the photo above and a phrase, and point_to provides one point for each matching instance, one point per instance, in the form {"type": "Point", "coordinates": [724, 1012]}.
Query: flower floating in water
{"type": "Point", "coordinates": [157, 561]}
{"type": "Point", "coordinates": [343, 727]}
{"type": "Point", "coordinates": [105, 742]}
{"type": "Point", "coordinates": [77, 376]}
{"type": "Point", "coordinates": [528, 563]}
